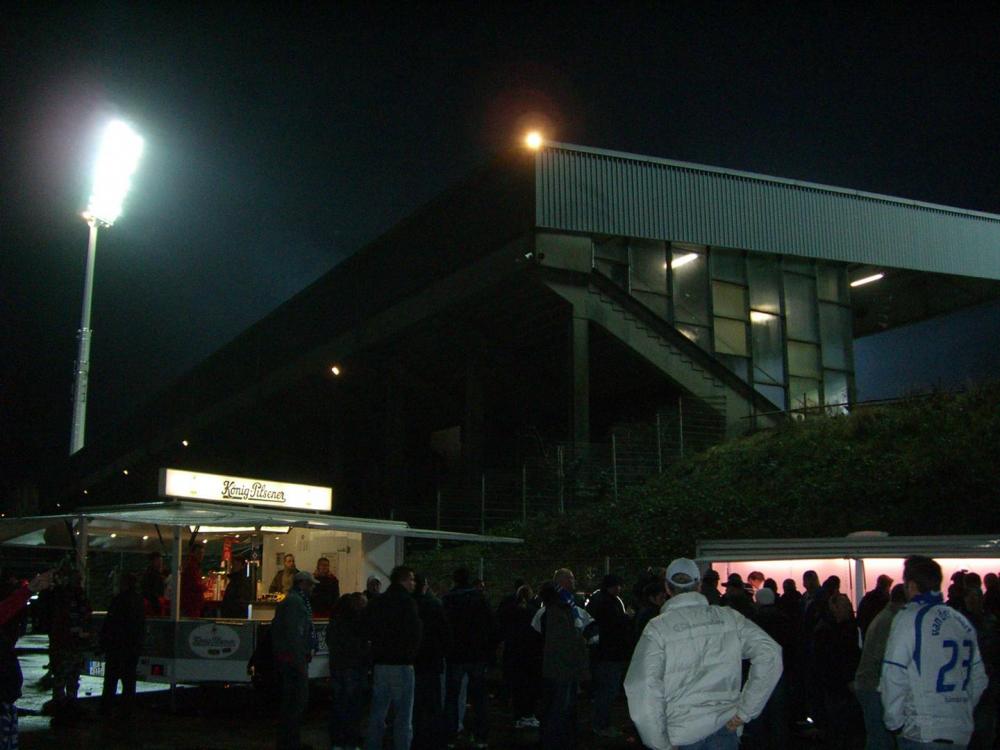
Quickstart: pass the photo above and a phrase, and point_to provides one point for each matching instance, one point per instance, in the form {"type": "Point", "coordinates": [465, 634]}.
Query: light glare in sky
{"type": "Point", "coordinates": [117, 160]}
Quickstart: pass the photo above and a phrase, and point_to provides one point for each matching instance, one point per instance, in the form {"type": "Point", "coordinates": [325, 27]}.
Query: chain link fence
{"type": "Point", "coordinates": [553, 476]}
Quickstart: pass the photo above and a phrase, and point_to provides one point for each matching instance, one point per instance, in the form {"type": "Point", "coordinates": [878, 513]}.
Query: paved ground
{"type": "Point", "coordinates": [219, 718]}
{"type": "Point", "coordinates": [215, 717]}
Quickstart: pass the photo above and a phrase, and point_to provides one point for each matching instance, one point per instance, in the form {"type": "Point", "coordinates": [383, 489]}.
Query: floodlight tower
{"type": "Point", "coordinates": [117, 160]}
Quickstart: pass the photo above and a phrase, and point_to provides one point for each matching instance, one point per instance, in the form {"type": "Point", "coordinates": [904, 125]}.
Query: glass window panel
{"type": "Point", "coordinates": [731, 337]}
{"type": "Point", "coordinates": [649, 266]}
{"type": "Point", "coordinates": [774, 393]}
{"type": "Point", "coordinates": [617, 272]}
{"type": "Point", "coordinates": [689, 270]}
{"type": "Point", "coordinates": [835, 390]}
{"type": "Point", "coordinates": [803, 359]}
{"type": "Point", "coordinates": [803, 393]}
{"type": "Point", "coordinates": [800, 307]}
{"type": "Point", "coordinates": [831, 283]}
{"type": "Point", "coordinates": [728, 265]}
{"type": "Point", "coordinates": [615, 248]}
{"type": "Point", "coordinates": [658, 303]}
{"type": "Point", "coordinates": [729, 300]}
{"type": "Point", "coordinates": [768, 348]}
{"type": "Point", "coordinates": [698, 334]}
{"type": "Point", "coordinates": [739, 365]}
{"type": "Point", "coordinates": [836, 335]}
{"type": "Point", "coordinates": [764, 278]}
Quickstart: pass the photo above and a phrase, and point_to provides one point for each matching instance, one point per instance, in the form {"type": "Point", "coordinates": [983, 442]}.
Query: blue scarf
{"type": "Point", "coordinates": [931, 597]}
{"type": "Point", "coordinates": [570, 600]}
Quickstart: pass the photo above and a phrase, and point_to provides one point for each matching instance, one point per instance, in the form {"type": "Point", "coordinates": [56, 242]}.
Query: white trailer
{"type": "Point", "coordinates": [858, 559]}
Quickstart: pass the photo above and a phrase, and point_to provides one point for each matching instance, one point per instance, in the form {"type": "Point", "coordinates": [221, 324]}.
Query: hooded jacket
{"type": "Point", "coordinates": [684, 680]}
{"type": "Point", "coordinates": [932, 672]}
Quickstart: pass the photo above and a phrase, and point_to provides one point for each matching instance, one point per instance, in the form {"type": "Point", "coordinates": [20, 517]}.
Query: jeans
{"type": "Point", "coordinates": [392, 685]}
{"type": "Point", "coordinates": [722, 739]}
{"type": "Point", "coordinates": [558, 715]}
{"type": "Point", "coordinates": [607, 681]}
{"type": "Point", "coordinates": [905, 744]}
{"type": "Point", "coordinates": [347, 693]}
{"type": "Point", "coordinates": [294, 698]}
{"type": "Point", "coordinates": [119, 667]}
{"type": "Point", "coordinates": [476, 673]}
{"type": "Point", "coordinates": [877, 737]}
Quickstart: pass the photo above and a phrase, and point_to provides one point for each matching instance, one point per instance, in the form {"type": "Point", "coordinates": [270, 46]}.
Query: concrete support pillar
{"type": "Point", "coordinates": [579, 380]}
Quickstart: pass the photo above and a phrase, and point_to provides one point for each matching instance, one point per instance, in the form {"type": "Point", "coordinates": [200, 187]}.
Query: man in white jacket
{"type": "Point", "coordinates": [932, 672]}
{"type": "Point", "coordinates": [683, 685]}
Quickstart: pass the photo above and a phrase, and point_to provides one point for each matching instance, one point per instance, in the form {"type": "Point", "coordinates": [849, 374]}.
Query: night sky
{"type": "Point", "coordinates": [277, 143]}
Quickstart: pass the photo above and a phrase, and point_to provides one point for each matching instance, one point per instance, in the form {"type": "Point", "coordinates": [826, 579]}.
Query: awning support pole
{"type": "Point", "coordinates": [159, 534]}
{"type": "Point", "coordinates": [175, 612]}
{"type": "Point", "coordinates": [81, 550]}
{"type": "Point", "coordinates": [859, 579]}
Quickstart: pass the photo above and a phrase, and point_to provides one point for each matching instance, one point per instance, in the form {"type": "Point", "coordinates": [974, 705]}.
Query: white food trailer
{"type": "Point", "coordinates": [267, 515]}
{"type": "Point", "coordinates": [858, 559]}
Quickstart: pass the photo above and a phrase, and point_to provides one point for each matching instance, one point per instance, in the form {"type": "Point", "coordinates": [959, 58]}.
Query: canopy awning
{"type": "Point", "coordinates": [211, 520]}
{"type": "Point", "coordinates": [854, 546]}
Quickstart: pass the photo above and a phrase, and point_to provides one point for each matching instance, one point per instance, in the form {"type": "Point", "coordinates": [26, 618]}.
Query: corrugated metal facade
{"type": "Point", "coordinates": [585, 190]}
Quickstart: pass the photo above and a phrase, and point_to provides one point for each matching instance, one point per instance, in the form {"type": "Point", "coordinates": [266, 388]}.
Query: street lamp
{"type": "Point", "coordinates": [117, 160]}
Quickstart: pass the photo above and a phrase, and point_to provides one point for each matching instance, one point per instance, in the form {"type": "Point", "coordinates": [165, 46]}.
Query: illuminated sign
{"type": "Point", "coordinates": [244, 491]}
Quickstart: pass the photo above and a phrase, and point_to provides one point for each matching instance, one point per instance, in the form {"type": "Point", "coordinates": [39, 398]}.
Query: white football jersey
{"type": "Point", "coordinates": [932, 672]}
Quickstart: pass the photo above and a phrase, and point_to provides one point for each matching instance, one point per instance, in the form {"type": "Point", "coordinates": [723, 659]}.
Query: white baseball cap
{"type": "Point", "coordinates": [683, 565]}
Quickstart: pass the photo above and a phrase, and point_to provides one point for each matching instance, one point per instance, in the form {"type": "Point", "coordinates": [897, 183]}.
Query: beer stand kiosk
{"type": "Point", "coordinates": [274, 517]}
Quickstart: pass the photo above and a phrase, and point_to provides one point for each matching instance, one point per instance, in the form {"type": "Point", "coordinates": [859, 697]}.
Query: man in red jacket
{"type": "Point", "coordinates": [10, 670]}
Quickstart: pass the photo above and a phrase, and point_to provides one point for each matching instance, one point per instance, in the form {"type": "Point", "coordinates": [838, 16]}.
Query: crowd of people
{"type": "Point", "coordinates": [702, 664]}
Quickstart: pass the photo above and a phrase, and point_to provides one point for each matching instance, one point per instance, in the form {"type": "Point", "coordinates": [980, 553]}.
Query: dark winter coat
{"type": "Point", "coordinates": [393, 626]}
{"type": "Point", "coordinates": [871, 604]}
{"type": "Point", "coordinates": [835, 655]}
{"type": "Point", "coordinates": [522, 644]}
{"type": "Point", "coordinates": [436, 636]}
{"type": "Point", "coordinates": [238, 595]}
{"type": "Point", "coordinates": [348, 643]}
{"type": "Point", "coordinates": [614, 626]}
{"type": "Point", "coordinates": [124, 628]}
{"type": "Point", "coordinates": [325, 594]}
{"type": "Point", "coordinates": [472, 628]}
{"type": "Point", "coordinates": [565, 650]}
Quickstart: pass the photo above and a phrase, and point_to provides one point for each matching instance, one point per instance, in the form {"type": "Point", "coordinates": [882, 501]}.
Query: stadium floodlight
{"type": "Point", "coordinates": [117, 160]}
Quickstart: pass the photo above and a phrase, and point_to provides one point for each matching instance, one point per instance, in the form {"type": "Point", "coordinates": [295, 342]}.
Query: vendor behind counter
{"type": "Point", "coordinates": [283, 579]}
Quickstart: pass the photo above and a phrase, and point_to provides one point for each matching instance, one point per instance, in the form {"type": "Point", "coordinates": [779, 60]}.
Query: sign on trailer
{"type": "Point", "coordinates": [243, 490]}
